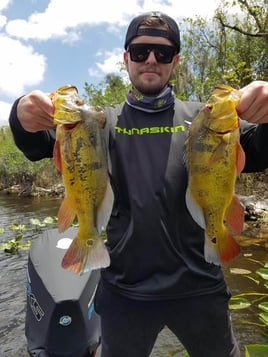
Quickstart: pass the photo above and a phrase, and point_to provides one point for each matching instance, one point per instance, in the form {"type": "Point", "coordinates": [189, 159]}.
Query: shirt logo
{"type": "Point", "coordinates": [150, 130]}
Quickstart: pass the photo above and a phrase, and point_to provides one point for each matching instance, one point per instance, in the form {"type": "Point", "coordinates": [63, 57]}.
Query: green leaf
{"type": "Point", "coordinates": [263, 316]}
{"type": "Point", "coordinates": [2, 230]}
{"type": "Point", "coordinates": [256, 350]}
{"type": "Point", "coordinates": [18, 227]}
{"type": "Point", "coordinates": [263, 306]}
{"type": "Point", "coordinates": [49, 220]}
{"type": "Point", "coordinates": [36, 222]}
{"type": "Point", "coordinates": [239, 271]}
{"type": "Point", "coordinates": [237, 303]}
{"type": "Point", "coordinates": [263, 272]}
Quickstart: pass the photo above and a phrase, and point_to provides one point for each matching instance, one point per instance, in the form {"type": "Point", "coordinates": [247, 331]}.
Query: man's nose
{"type": "Point", "coordinates": [151, 58]}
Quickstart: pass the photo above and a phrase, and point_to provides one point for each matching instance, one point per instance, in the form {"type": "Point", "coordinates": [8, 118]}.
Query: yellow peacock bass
{"type": "Point", "coordinates": [214, 159]}
{"type": "Point", "coordinates": [80, 156]}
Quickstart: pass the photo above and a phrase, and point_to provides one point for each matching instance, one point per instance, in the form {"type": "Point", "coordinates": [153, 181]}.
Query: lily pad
{"type": "Point", "coordinates": [49, 220]}
{"type": "Point", "coordinates": [36, 222]}
{"type": "Point", "coordinates": [263, 272]}
{"type": "Point", "coordinates": [263, 316]}
{"type": "Point", "coordinates": [237, 303]}
{"type": "Point", "coordinates": [239, 271]}
{"type": "Point", "coordinates": [256, 350]}
{"type": "Point", "coordinates": [263, 306]}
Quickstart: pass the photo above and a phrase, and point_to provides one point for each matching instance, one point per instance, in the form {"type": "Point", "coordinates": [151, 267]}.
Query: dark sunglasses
{"type": "Point", "coordinates": [139, 52]}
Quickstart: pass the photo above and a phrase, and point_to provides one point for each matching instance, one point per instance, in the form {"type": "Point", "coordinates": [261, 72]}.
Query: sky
{"type": "Point", "coordinates": [45, 44]}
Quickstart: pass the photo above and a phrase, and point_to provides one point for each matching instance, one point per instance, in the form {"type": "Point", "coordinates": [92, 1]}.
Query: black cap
{"type": "Point", "coordinates": [173, 34]}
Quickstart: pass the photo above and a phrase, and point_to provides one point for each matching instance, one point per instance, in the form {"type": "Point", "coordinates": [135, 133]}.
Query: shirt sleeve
{"type": "Point", "coordinates": [35, 146]}
{"type": "Point", "coordinates": [254, 140]}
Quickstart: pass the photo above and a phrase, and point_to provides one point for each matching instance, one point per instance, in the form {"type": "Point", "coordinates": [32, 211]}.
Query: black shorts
{"type": "Point", "coordinates": [130, 327]}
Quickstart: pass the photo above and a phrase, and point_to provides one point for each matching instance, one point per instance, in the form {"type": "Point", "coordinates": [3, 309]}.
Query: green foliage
{"type": "Point", "coordinates": [256, 350]}
{"type": "Point", "coordinates": [110, 92]}
{"type": "Point", "coordinates": [15, 168]}
{"type": "Point", "coordinates": [246, 300]}
{"type": "Point", "coordinates": [214, 53]}
{"type": "Point", "coordinates": [23, 233]}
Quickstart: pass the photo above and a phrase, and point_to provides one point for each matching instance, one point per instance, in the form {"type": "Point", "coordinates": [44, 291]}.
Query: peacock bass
{"type": "Point", "coordinates": [214, 160]}
{"type": "Point", "coordinates": [79, 154]}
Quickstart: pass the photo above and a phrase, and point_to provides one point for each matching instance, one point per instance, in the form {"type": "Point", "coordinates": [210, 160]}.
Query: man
{"type": "Point", "coordinates": [158, 275]}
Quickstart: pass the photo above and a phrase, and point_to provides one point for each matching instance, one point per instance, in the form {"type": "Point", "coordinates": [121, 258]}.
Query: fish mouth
{"type": "Point", "coordinates": [70, 126]}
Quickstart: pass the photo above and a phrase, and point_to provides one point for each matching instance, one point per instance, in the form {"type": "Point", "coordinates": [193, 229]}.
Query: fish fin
{"type": "Point", "coordinates": [104, 209]}
{"type": "Point", "coordinates": [240, 159]}
{"type": "Point", "coordinates": [66, 215]}
{"type": "Point", "coordinates": [211, 252]}
{"type": "Point", "coordinates": [57, 156]}
{"type": "Point", "coordinates": [234, 217]}
{"type": "Point", "coordinates": [228, 247]}
{"type": "Point", "coordinates": [195, 210]}
{"type": "Point", "coordinates": [222, 251]}
{"type": "Point", "coordinates": [81, 258]}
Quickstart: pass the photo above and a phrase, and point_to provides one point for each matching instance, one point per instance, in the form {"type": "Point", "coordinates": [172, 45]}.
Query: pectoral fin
{"type": "Point", "coordinates": [57, 156]}
{"type": "Point", "coordinates": [240, 159]}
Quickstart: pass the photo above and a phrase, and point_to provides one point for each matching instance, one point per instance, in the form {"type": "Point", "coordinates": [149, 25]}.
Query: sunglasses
{"type": "Point", "coordinates": [139, 52]}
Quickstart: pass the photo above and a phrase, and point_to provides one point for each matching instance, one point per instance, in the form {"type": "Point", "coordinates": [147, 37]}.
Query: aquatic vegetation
{"type": "Point", "coordinates": [256, 350]}
{"type": "Point", "coordinates": [256, 299]}
{"type": "Point", "coordinates": [23, 234]}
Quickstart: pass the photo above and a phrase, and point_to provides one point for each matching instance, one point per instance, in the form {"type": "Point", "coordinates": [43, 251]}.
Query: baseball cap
{"type": "Point", "coordinates": [173, 33]}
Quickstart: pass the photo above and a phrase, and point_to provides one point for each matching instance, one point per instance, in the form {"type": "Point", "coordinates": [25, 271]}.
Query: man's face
{"type": "Point", "coordinates": [149, 77]}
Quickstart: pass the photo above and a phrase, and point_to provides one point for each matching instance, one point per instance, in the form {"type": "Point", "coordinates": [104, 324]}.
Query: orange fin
{"type": "Point", "coordinates": [66, 215]}
{"type": "Point", "coordinates": [223, 251]}
{"type": "Point", "coordinates": [57, 156]}
{"type": "Point", "coordinates": [240, 159]}
{"type": "Point", "coordinates": [81, 258]}
{"type": "Point", "coordinates": [228, 247]}
{"type": "Point", "coordinates": [234, 217]}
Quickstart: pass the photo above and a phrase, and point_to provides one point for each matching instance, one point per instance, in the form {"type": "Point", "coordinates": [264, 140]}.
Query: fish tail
{"type": "Point", "coordinates": [228, 247]}
{"type": "Point", "coordinates": [81, 258]}
{"type": "Point", "coordinates": [223, 250]}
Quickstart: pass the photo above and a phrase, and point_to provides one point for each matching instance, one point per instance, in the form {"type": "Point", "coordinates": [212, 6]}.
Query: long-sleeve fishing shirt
{"type": "Point", "coordinates": [156, 248]}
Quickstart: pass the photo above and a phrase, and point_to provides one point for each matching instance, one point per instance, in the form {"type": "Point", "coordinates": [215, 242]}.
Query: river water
{"type": "Point", "coordinates": [240, 275]}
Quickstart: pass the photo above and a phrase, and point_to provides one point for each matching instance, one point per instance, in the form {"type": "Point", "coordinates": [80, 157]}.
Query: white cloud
{"type": "Point", "coordinates": [4, 4]}
{"type": "Point", "coordinates": [20, 67]}
{"type": "Point", "coordinates": [111, 62]}
{"type": "Point", "coordinates": [61, 16]}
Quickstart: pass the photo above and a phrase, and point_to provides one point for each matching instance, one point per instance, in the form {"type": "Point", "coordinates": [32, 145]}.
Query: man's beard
{"type": "Point", "coordinates": [150, 90]}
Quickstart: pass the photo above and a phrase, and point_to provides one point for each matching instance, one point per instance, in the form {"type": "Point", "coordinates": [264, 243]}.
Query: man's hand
{"type": "Point", "coordinates": [35, 112]}
{"type": "Point", "coordinates": [253, 105]}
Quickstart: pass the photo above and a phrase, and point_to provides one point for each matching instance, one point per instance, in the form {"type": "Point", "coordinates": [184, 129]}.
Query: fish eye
{"type": "Point", "coordinates": [209, 108]}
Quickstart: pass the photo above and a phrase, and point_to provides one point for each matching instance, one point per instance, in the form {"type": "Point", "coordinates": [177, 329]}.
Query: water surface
{"type": "Point", "coordinates": [14, 210]}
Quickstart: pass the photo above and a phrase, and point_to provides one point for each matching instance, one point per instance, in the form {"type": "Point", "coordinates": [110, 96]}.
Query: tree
{"type": "Point", "coordinates": [252, 23]}
{"type": "Point", "coordinates": [214, 54]}
{"type": "Point", "coordinates": [109, 92]}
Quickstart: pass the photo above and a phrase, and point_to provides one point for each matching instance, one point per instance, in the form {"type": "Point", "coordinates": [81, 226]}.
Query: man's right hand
{"type": "Point", "coordinates": [35, 112]}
